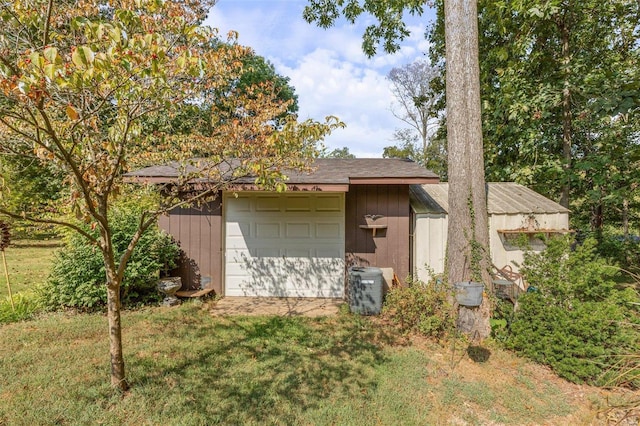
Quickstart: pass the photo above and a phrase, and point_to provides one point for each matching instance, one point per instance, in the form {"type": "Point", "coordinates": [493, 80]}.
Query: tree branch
{"type": "Point", "coordinates": [143, 225]}
{"type": "Point", "coordinates": [70, 225]}
{"type": "Point", "coordinates": [73, 165]}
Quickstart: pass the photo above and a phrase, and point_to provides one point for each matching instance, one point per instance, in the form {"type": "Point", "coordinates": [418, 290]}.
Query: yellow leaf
{"type": "Point", "coordinates": [50, 71]}
{"type": "Point", "coordinates": [51, 53]}
{"type": "Point", "coordinates": [72, 113]}
{"type": "Point", "coordinates": [35, 58]}
{"type": "Point", "coordinates": [83, 55]}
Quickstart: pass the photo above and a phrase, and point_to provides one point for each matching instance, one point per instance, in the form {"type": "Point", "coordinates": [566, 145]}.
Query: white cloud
{"type": "Point", "coordinates": [328, 69]}
{"type": "Point", "coordinates": [329, 85]}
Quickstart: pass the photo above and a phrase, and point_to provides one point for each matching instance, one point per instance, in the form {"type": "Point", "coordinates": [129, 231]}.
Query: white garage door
{"type": "Point", "coordinates": [284, 245]}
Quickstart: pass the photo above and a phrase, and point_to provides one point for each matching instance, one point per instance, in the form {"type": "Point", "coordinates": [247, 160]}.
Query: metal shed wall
{"type": "Point", "coordinates": [504, 250]}
{"type": "Point", "coordinates": [389, 248]}
{"type": "Point", "coordinates": [429, 244]}
{"type": "Point", "coordinates": [511, 207]}
{"type": "Point", "coordinates": [430, 240]}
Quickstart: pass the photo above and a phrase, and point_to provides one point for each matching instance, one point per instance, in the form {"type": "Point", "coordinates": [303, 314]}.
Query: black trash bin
{"type": "Point", "coordinates": [365, 290]}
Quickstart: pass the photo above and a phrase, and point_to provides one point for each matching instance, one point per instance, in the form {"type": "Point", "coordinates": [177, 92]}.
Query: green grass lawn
{"type": "Point", "coordinates": [187, 367]}
{"type": "Point", "coordinates": [28, 263]}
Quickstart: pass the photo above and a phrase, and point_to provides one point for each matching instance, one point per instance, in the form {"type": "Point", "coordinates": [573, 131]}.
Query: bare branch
{"type": "Point", "coordinates": [69, 225]}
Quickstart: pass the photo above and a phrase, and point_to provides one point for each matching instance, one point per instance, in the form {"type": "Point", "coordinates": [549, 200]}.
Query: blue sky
{"type": "Point", "coordinates": [330, 73]}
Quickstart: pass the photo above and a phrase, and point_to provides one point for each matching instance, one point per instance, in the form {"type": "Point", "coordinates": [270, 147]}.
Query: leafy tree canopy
{"type": "Point", "coordinates": [79, 79]}
{"type": "Point", "coordinates": [388, 30]}
{"type": "Point", "coordinates": [560, 97]}
{"type": "Point", "coordinates": [337, 153]}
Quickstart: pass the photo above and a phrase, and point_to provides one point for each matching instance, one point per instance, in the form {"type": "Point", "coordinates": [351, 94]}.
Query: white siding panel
{"type": "Point", "coordinates": [430, 242]}
{"type": "Point", "coordinates": [503, 249]}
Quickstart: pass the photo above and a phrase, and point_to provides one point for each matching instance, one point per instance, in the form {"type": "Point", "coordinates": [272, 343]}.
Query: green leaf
{"type": "Point", "coordinates": [77, 23]}
{"type": "Point", "coordinates": [181, 61]}
{"type": "Point", "coordinates": [100, 31]}
{"type": "Point", "coordinates": [534, 11]}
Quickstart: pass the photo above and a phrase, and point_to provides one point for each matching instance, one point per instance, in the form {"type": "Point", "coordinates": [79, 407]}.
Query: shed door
{"type": "Point", "coordinates": [284, 245]}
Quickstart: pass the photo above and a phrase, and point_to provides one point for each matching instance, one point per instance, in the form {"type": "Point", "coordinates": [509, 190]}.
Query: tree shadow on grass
{"type": "Point", "coordinates": [260, 370]}
{"type": "Point", "coordinates": [478, 353]}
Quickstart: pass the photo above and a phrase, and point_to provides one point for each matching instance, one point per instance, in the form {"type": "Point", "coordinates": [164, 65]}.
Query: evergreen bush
{"type": "Point", "coordinates": [77, 279]}
{"type": "Point", "coordinates": [622, 250]}
{"type": "Point", "coordinates": [579, 321]}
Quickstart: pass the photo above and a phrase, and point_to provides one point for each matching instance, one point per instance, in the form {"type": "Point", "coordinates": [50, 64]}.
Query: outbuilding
{"type": "Point", "coordinates": [517, 218]}
{"type": "Point", "coordinates": [297, 243]}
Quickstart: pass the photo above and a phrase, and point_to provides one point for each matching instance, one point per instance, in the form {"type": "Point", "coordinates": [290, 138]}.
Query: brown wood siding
{"type": "Point", "coordinates": [390, 247]}
{"type": "Point", "coordinates": [198, 231]}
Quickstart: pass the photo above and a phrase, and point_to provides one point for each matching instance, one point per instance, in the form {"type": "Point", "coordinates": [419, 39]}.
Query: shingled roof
{"type": "Point", "coordinates": [327, 171]}
{"type": "Point", "coordinates": [502, 198]}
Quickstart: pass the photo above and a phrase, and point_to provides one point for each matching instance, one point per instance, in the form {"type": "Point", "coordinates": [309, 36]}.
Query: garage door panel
{"type": "Point", "coordinates": [328, 230]}
{"type": "Point", "coordinates": [268, 230]}
{"type": "Point", "coordinates": [236, 243]}
{"type": "Point", "coordinates": [305, 253]}
{"type": "Point", "coordinates": [298, 230]}
{"type": "Point", "coordinates": [242, 204]}
{"type": "Point", "coordinates": [267, 252]}
{"type": "Point", "coordinates": [298, 204]}
{"type": "Point", "coordinates": [329, 203]}
{"type": "Point", "coordinates": [240, 286]}
{"type": "Point", "coordinates": [328, 252]}
{"type": "Point", "coordinates": [313, 269]}
{"type": "Point", "coordinates": [241, 229]}
{"type": "Point", "coordinates": [296, 250]}
{"type": "Point", "coordinates": [267, 203]}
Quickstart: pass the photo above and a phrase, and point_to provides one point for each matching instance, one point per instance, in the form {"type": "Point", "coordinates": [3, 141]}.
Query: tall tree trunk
{"type": "Point", "coordinates": [597, 219]}
{"type": "Point", "coordinates": [114, 281]}
{"type": "Point", "coordinates": [566, 118]}
{"type": "Point", "coordinates": [115, 336]}
{"type": "Point", "coordinates": [424, 134]}
{"type": "Point", "coordinates": [468, 236]}
{"type": "Point", "coordinates": [625, 218]}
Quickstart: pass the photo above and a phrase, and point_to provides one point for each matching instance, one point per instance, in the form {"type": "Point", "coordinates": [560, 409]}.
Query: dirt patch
{"type": "Point", "coordinates": [484, 384]}
{"type": "Point", "coordinates": [311, 307]}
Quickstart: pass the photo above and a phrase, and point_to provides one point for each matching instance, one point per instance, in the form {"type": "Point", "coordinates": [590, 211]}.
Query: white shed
{"type": "Point", "coordinates": [515, 212]}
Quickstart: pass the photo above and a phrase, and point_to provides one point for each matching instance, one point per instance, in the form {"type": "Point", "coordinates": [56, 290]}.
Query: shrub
{"type": "Point", "coordinates": [501, 319]}
{"type": "Point", "coordinates": [25, 305]}
{"type": "Point", "coordinates": [621, 250]}
{"type": "Point", "coordinates": [77, 279]}
{"type": "Point", "coordinates": [421, 308]}
{"type": "Point", "coordinates": [578, 321]}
